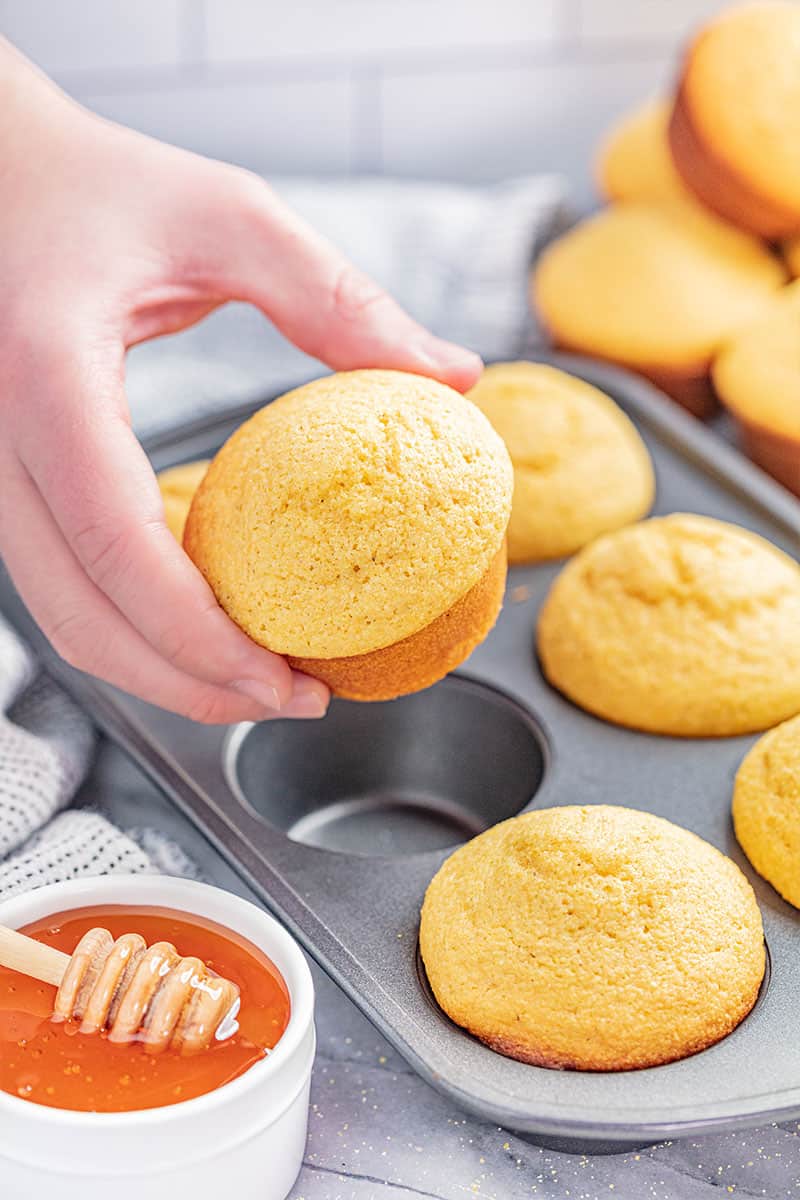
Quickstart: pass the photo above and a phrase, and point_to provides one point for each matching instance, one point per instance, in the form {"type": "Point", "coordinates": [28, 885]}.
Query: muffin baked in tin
{"type": "Point", "coordinates": [593, 938]}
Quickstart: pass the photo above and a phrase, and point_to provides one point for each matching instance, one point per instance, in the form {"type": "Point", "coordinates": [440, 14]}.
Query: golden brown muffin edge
{"type": "Point", "coordinates": [425, 657]}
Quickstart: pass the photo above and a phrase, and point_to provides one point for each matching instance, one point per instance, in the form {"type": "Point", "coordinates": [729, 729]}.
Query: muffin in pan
{"type": "Point", "coordinates": [178, 486]}
{"type": "Point", "coordinates": [357, 526]}
{"type": "Point", "coordinates": [735, 126]}
{"type": "Point", "coordinates": [757, 377]}
{"type": "Point", "coordinates": [656, 288]}
{"type": "Point", "coordinates": [580, 467]}
{"type": "Point", "coordinates": [681, 625]}
{"type": "Point", "coordinates": [766, 808]}
{"type": "Point", "coordinates": [594, 938]}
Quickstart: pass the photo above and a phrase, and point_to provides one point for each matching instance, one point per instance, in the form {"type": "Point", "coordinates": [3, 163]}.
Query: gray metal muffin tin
{"type": "Point", "coordinates": [340, 824]}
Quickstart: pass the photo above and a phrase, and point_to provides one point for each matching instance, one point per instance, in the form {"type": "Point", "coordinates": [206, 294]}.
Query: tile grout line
{"type": "Point", "coordinates": [274, 69]}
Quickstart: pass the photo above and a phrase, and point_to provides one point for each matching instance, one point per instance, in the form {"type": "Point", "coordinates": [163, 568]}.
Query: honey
{"type": "Point", "coordinates": [54, 1064]}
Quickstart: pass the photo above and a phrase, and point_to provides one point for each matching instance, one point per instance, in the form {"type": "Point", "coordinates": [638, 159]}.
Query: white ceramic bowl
{"type": "Point", "coordinates": [244, 1141]}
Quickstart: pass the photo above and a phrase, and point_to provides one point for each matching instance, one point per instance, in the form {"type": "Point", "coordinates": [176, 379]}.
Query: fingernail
{"type": "Point", "coordinates": [447, 354]}
{"type": "Point", "coordinates": [309, 705]}
{"type": "Point", "coordinates": [263, 693]}
{"type": "Point", "coordinates": [309, 698]}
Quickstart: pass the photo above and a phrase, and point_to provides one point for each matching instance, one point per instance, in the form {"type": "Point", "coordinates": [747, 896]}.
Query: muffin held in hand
{"type": "Point", "coordinates": [598, 939]}
{"type": "Point", "coordinates": [357, 525]}
{"type": "Point", "coordinates": [580, 467]}
{"type": "Point", "coordinates": [657, 288]}
{"type": "Point", "coordinates": [178, 486]}
{"type": "Point", "coordinates": [735, 128]}
{"type": "Point", "coordinates": [766, 808]}
{"type": "Point", "coordinates": [681, 625]}
{"type": "Point", "coordinates": [757, 377]}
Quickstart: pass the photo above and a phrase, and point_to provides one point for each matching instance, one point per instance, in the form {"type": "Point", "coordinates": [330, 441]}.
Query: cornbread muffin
{"type": "Point", "coordinates": [766, 808]}
{"type": "Point", "coordinates": [580, 467]}
{"type": "Point", "coordinates": [735, 127]}
{"type": "Point", "coordinates": [680, 625]}
{"type": "Point", "coordinates": [178, 486]}
{"type": "Point", "coordinates": [791, 253]}
{"type": "Point", "coordinates": [757, 377]}
{"type": "Point", "coordinates": [635, 161]}
{"type": "Point", "coordinates": [357, 526]}
{"type": "Point", "coordinates": [657, 288]}
{"type": "Point", "coordinates": [595, 938]}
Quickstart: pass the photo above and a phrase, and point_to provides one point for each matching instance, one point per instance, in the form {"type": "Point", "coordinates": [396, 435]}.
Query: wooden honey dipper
{"type": "Point", "coordinates": [147, 994]}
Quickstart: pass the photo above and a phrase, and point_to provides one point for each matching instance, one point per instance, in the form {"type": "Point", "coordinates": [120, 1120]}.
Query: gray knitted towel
{"type": "Point", "coordinates": [46, 746]}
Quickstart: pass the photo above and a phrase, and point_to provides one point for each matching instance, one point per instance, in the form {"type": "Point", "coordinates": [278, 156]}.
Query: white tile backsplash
{"type": "Point", "coordinates": [635, 20]}
{"type": "Point", "coordinates": [73, 35]}
{"type": "Point", "coordinates": [460, 89]}
{"type": "Point", "coordinates": [498, 122]}
{"type": "Point", "coordinates": [286, 126]}
{"type": "Point", "coordinates": [355, 29]}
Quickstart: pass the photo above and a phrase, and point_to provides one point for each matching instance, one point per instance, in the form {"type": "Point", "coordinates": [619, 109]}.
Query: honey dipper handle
{"type": "Point", "coordinates": [29, 957]}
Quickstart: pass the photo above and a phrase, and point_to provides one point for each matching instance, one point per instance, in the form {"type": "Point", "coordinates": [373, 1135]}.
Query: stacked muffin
{"type": "Point", "coordinates": [657, 288]}
{"type": "Point", "coordinates": [702, 233]}
{"type": "Point", "coordinates": [757, 376]}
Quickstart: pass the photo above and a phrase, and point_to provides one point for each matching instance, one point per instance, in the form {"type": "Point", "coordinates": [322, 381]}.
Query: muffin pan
{"type": "Point", "coordinates": [339, 825]}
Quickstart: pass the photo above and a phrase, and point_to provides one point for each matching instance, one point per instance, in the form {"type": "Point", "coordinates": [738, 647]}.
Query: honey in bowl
{"type": "Point", "coordinates": [54, 1064]}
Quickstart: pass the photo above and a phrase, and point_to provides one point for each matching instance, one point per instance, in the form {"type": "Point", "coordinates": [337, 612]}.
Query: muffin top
{"type": "Point", "coordinates": [635, 162]}
{"type": "Point", "coordinates": [351, 513]}
{"type": "Point", "coordinates": [741, 83]}
{"type": "Point", "coordinates": [598, 938]}
{"type": "Point", "coordinates": [766, 808]}
{"type": "Point", "coordinates": [653, 285]}
{"type": "Point", "coordinates": [757, 374]}
{"type": "Point", "coordinates": [178, 486]}
{"type": "Point", "coordinates": [680, 625]}
{"type": "Point", "coordinates": [580, 467]}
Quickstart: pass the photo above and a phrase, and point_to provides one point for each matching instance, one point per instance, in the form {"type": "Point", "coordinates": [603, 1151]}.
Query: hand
{"type": "Point", "coordinates": [109, 238]}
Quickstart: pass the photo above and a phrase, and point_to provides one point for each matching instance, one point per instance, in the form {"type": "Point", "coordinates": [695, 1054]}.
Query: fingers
{"type": "Point", "coordinates": [100, 488]}
{"type": "Point", "coordinates": [318, 299]}
{"type": "Point", "coordinates": [91, 634]}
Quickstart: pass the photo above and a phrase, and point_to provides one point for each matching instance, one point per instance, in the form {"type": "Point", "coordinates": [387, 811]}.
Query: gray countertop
{"type": "Point", "coordinates": [377, 1132]}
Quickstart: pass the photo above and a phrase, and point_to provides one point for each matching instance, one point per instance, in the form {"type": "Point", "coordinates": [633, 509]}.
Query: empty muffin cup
{"type": "Point", "coordinates": [392, 778]}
